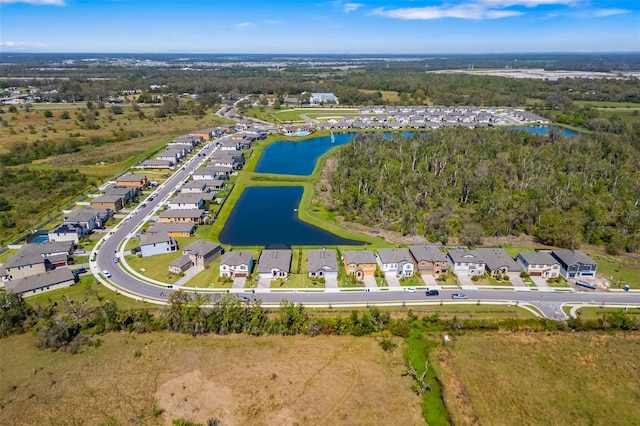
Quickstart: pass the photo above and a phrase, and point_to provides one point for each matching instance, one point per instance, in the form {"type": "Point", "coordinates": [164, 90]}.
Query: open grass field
{"type": "Point", "coordinates": [597, 312]}
{"type": "Point", "coordinates": [629, 116]}
{"type": "Point", "coordinates": [154, 378]}
{"type": "Point", "coordinates": [619, 270]}
{"type": "Point", "coordinates": [607, 104]}
{"type": "Point", "coordinates": [541, 378]}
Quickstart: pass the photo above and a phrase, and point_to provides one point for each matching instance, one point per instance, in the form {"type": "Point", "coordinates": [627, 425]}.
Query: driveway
{"type": "Point", "coordinates": [264, 283]}
{"type": "Point", "coordinates": [392, 279]}
{"type": "Point", "coordinates": [466, 283]}
{"type": "Point", "coordinates": [515, 279]}
{"type": "Point", "coordinates": [430, 281]}
{"type": "Point", "coordinates": [239, 282]}
{"type": "Point", "coordinates": [370, 281]}
{"type": "Point", "coordinates": [540, 282]}
{"type": "Point", "coordinates": [331, 282]}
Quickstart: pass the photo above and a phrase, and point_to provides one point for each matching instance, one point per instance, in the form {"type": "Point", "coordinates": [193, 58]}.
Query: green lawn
{"type": "Point", "coordinates": [209, 277]}
{"type": "Point", "coordinates": [7, 254]}
{"type": "Point", "coordinates": [89, 289]}
{"type": "Point", "coordinates": [607, 104]}
{"type": "Point", "coordinates": [414, 281]}
{"type": "Point", "coordinates": [619, 270]}
{"type": "Point", "coordinates": [296, 281]}
{"type": "Point", "coordinates": [155, 267]}
{"type": "Point", "coordinates": [596, 312]}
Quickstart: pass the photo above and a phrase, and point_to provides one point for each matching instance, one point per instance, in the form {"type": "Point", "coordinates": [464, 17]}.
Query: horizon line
{"type": "Point", "coordinates": [325, 53]}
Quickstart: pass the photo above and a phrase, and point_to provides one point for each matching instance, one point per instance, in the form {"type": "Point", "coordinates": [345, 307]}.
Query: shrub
{"type": "Point", "coordinates": [523, 274]}
{"type": "Point", "coordinates": [388, 345]}
{"type": "Point", "coordinates": [475, 278]}
{"type": "Point", "coordinates": [47, 114]}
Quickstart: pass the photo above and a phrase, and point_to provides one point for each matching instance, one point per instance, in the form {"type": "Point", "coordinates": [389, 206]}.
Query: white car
{"type": "Point", "coordinates": [106, 273]}
{"type": "Point", "coordinates": [409, 290]}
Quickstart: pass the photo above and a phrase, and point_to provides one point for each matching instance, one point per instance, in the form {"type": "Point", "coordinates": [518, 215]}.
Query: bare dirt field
{"type": "Point", "coordinates": [240, 380]}
{"type": "Point", "coordinates": [542, 378]}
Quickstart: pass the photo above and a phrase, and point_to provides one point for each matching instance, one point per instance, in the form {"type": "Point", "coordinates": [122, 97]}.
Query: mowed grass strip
{"type": "Point", "coordinates": [536, 378]}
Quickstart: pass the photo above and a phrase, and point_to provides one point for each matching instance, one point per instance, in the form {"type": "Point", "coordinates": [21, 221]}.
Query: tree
{"type": "Point", "coordinates": [14, 313]}
{"type": "Point", "coordinates": [471, 234]}
{"type": "Point", "coordinates": [65, 115]}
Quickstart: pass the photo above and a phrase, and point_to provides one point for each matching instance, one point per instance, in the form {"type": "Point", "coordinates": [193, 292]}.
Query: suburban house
{"type": "Point", "coordinates": [274, 264]}
{"type": "Point", "coordinates": [32, 259]}
{"type": "Point", "coordinates": [173, 229]}
{"type": "Point", "coordinates": [202, 253]}
{"type": "Point", "coordinates": [192, 140]}
{"type": "Point", "coordinates": [221, 170]}
{"type": "Point", "coordinates": [127, 193]}
{"type": "Point", "coordinates": [194, 187]}
{"type": "Point", "coordinates": [206, 173]}
{"type": "Point", "coordinates": [112, 202]}
{"type": "Point", "coordinates": [40, 282]}
{"type": "Point", "coordinates": [187, 201]}
{"type": "Point", "coordinates": [89, 218]}
{"type": "Point", "coordinates": [152, 244]}
{"type": "Point", "coordinates": [360, 263]}
{"type": "Point", "coordinates": [138, 181]}
{"type": "Point", "coordinates": [467, 262]}
{"type": "Point", "coordinates": [68, 232]}
{"type": "Point", "coordinates": [207, 134]}
{"type": "Point", "coordinates": [182, 215]}
{"type": "Point", "coordinates": [156, 164]}
{"type": "Point", "coordinates": [497, 261]}
{"type": "Point", "coordinates": [575, 264]}
{"type": "Point", "coordinates": [180, 265]}
{"type": "Point", "coordinates": [395, 260]}
{"type": "Point", "coordinates": [539, 264]}
{"type": "Point", "coordinates": [430, 260]}
{"type": "Point", "coordinates": [236, 264]}
{"type": "Point", "coordinates": [322, 263]}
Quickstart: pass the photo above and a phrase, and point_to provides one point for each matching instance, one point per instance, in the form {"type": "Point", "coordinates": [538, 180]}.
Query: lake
{"type": "Point", "coordinates": [267, 216]}
{"type": "Point", "coordinates": [300, 158]}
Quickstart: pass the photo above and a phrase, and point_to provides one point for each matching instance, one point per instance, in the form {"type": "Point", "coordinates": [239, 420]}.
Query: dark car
{"type": "Point", "coordinates": [432, 293]}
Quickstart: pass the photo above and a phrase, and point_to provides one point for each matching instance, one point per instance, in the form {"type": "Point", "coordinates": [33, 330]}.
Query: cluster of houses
{"type": "Point", "coordinates": [418, 259]}
{"type": "Point", "coordinates": [431, 118]}
{"type": "Point", "coordinates": [39, 267]}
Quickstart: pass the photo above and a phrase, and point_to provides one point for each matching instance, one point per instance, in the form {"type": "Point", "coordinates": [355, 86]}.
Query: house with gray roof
{"type": "Point", "coordinates": [32, 259]}
{"type": "Point", "coordinates": [466, 262]}
{"type": "Point", "coordinates": [274, 264]}
{"type": "Point", "coordinates": [180, 265]}
{"type": "Point", "coordinates": [395, 260]}
{"type": "Point", "coordinates": [153, 244]}
{"type": "Point", "coordinates": [429, 259]}
{"type": "Point", "coordinates": [89, 218]}
{"type": "Point", "coordinates": [172, 229]}
{"type": "Point", "coordinates": [539, 264]}
{"type": "Point", "coordinates": [359, 263]}
{"type": "Point", "coordinates": [108, 201]}
{"type": "Point", "coordinates": [575, 264]}
{"type": "Point", "coordinates": [187, 201]}
{"type": "Point", "coordinates": [182, 215]}
{"type": "Point", "coordinates": [206, 173]}
{"type": "Point", "coordinates": [497, 261]}
{"type": "Point", "coordinates": [68, 232]}
{"type": "Point", "coordinates": [236, 264]}
{"type": "Point", "coordinates": [156, 164]}
{"type": "Point", "coordinates": [202, 253]}
{"type": "Point", "coordinates": [322, 263]}
{"type": "Point", "coordinates": [41, 282]}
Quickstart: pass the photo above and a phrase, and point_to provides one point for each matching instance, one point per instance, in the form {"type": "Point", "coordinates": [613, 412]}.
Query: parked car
{"type": "Point", "coordinates": [432, 293]}
{"type": "Point", "coordinates": [115, 260]}
{"type": "Point", "coordinates": [459, 296]}
{"type": "Point", "coordinates": [79, 252]}
{"type": "Point", "coordinates": [106, 273]}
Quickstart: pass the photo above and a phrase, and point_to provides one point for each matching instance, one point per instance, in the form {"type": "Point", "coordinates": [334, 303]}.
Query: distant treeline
{"type": "Point", "coordinates": [68, 325]}
{"type": "Point", "coordinates": [487, 182]}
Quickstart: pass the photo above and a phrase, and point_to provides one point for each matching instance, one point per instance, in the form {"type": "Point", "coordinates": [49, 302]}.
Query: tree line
{"type": "Point", "coordinates": [471, 183]}
{"type": "Point", "coordinates": [69, 325]}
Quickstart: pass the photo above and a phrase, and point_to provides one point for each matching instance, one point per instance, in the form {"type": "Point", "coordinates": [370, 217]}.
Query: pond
{"type": "Point", "coordinates": [300, 158]}
{"type": "Point", "coordinates": [268, 216]}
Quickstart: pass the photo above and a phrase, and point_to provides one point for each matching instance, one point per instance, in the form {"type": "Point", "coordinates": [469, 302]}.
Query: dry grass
{"type": "Point", "coordinates": [536, 378]}
{"type": "Point", "coordinates": [236, 379]}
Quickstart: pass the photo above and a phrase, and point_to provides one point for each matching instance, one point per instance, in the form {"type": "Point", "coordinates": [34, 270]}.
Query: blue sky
{"type": "Point", "coordinates": [304, 26]}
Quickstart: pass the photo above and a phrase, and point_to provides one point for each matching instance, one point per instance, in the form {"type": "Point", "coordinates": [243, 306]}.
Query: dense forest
{"type": "Point", "coordinates": [475, 183]}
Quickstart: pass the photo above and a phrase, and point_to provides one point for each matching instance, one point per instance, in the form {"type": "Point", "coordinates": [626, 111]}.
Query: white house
{"type": "Point", "coordinates": [539, 264]}
{"type": "Point", "coordinates": [274, 264]}
{"type": "Point", "coordinates": [236, 264]}
{"type": "Point", "coordinates": [466, 262]}
{"type": "Point", "coordinates": [395, 260]}
{"type": "Point", "coordinates": [322, 263]}
{"type": "Point", "coordinates": [68, 232]}
{"type": "Point", "coordinates": [152, 244]}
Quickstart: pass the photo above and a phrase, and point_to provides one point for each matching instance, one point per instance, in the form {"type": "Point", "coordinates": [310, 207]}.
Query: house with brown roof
{"type": "Point", "coordinates": [112, 202]}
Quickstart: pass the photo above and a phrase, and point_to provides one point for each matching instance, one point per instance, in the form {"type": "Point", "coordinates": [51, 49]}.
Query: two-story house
{"type": "Point", "coordinates": [430, 260]}
{"type": "Point", "coordinates": [539, 264]}
{"type": "Point", "coordinates": [396, 260]}
{"type": "Point", "coordinates": [466, 262]}
{"type": "Point", "coordinates": [359, 263]}
{"type": "Point", "coordinates": [236, 264]}
{"type": "Point", "coordinates": [575, 264]}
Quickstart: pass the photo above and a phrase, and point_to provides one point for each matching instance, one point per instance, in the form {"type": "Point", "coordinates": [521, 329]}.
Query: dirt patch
{"type": "Point", "coordinates": [155, 378]}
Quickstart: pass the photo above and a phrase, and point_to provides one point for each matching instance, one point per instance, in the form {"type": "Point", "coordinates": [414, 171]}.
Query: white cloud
{"type": "Point", "coordinates": [351, 7]}
{"type": "Point", "coordinates": [472, 9]}
{"type": "Point", "coordinates": [20, 45]}
{"type": "Point", "coordinates": [38, 2]}
{"type": "Point", "coordinates": [461, 11]}
{"type": "Point", "coordinates": [601, 13]}
{"type": "Point", "coordinates": [243, 25]}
